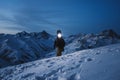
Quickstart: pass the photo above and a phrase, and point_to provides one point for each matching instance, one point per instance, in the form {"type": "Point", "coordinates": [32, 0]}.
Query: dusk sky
{"type": "Point", "coordinates": [71, 16]}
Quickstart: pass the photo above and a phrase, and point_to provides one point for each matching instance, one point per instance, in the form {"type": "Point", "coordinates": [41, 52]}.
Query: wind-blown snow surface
{"type": "Point", "coordinates": [93, 64]}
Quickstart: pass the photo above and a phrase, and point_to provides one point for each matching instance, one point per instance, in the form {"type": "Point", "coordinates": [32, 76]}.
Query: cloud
{"type": "Point", "coordinates": [28, 20]}
{"type": "Point", "coordinates": [37, 19]}
{"type": "Point", "coordinates": [71, 17]}
{"type": "Point", "coordinates": [30, 17]}
{"type": "Point", "coordinates": [8, 22]}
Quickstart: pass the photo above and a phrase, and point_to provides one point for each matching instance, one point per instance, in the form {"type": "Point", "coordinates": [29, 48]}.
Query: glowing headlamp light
{"type": "Point", "coordinates": [59, 35]}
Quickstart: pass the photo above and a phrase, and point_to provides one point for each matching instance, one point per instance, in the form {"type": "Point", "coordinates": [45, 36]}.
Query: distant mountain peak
{"type": "Point", "coordinates": [110, 33]}
{"type": "Point", "coordinates": [42, 34]}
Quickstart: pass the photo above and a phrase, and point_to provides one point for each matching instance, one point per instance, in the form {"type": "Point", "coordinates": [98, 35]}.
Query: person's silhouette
{"type": "Point", "coordinates": [59, 43]}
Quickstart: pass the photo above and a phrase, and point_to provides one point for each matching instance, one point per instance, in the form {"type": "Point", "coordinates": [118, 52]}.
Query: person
{"type": "Point", "coordinates": [59, 43]}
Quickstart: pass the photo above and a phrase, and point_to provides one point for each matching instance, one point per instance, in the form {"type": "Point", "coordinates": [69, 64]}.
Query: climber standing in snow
{"type": "Point", "coordinates": [59, 43]}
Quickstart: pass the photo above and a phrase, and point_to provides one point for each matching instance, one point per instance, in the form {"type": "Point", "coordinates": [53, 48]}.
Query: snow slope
{"type": "Point", "coordinates": [93, 64]}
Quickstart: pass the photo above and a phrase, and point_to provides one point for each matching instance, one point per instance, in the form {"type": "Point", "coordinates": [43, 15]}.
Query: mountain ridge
{"type": "Point", "coordinates": [25, 47]}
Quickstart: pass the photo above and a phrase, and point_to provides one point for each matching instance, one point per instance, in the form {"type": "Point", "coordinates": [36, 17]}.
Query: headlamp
{"type": "Point", "coordinates": [59, 35]}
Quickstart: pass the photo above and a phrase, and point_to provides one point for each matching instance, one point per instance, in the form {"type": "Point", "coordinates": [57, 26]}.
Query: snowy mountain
{"type": "Point", "coordinates": [89, 41]}
{"type": "Point", "coordinates": [93, 64]}
{"type": "Point", "coordinates": [24, 47]}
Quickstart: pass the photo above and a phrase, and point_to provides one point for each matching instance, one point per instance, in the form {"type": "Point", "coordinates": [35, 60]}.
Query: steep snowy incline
{"type": "Point", "coordinates": [93, 64]}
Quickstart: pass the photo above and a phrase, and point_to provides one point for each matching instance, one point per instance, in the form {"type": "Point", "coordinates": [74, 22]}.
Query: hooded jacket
{"type": "Point", "coordinates": [59, 42]}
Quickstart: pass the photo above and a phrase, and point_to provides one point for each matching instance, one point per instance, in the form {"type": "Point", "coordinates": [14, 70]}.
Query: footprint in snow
{"type": "Point", "coordinates": [47, 61]}
{"type": "Point", "coordinates": [88, 59]}
{"type": "Point", "coordinates": [80, 61]}
{"type": "Point", "coordinates": [50, 66]}
{"type": "Point", "coordinates": [69, 56]}
{"type": "Point", "coordinates": [52, 62]}
{"type": "Point", "coordinates": [97, 53]}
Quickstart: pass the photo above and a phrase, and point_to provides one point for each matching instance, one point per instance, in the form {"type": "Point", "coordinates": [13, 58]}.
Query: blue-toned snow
{"type": "Point", "coordinates": [93, 64]}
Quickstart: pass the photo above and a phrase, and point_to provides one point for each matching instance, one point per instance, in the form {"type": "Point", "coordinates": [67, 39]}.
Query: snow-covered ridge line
{"type": "Point", "coordinates": [93, 64]}
{"type": "Point", "coordinates": [89, 41]}
{"type": "Point", "coordinates": [25, 47]}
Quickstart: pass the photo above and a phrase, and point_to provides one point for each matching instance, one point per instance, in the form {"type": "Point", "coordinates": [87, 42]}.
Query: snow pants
{"type": "Point", "coordinates": [59, 51]}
